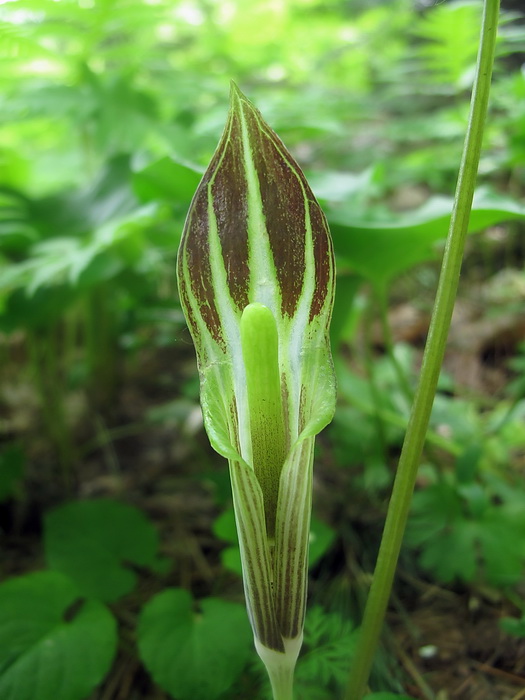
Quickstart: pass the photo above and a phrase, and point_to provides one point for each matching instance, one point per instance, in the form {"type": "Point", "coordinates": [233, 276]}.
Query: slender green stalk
{"type": "Point", "coordinates": [280, 668]}
{"type": "Point", "coordinates": [282, 685]}
{"type": "Point", "coordinates": [432, 360]}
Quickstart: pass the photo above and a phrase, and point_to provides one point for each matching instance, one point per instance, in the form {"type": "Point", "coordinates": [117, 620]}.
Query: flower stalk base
{"type": "Point", "coordinates": [280, 667]}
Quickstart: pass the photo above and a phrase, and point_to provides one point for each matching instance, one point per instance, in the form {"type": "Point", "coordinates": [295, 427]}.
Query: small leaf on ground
{"type": "Point", "coordinates": [54, 645]}
{"type": "Point", "coordinates": [194, 655]}
{"type": "Point", "coordinates": [462, 534]}
{"type": "Point", "coordinates": [97, 543]}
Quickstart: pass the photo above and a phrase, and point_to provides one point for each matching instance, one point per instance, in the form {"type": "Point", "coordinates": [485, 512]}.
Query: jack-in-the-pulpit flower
{"type": "Point", "coordinates": [256, 283]}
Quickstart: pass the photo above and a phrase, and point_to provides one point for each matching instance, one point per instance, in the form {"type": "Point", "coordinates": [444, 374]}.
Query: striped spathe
{"type": "Point", "coordinates": [256, 254]}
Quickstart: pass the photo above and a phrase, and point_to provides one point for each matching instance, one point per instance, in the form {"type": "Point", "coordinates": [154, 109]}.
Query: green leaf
{"type": "Point", "coordinates": [329, 641]}
{"type": "Point", "coordinates": [467, 463]}
{"type": "Point", "coordinates": [333, 186]}
{"type": "Point", "coordinates": [53, 643]}
{"type": "Point", "coordinates": [224, 526]}
{"type": "Point", "coordinates": [462, 534]}
{"type": "Point", "coordinates": [433, 510]}
{"type": "Point", "coordinates": [166, 180]}
{"type": "Point", "coordinates": [458, 417]}
{"type": "Point", "coordinates": [380, 251]}
{"type": "Point", "coordinates": [193, 654]}
{"type": "Point", "coordinates": [448, 41]}
{"type": "Point", "coordinates": [346, 312]}
{"type": "Point", "coordinates": [321, 539]}
{"type": "Point", "coordinates": [231, 559]}
{"type": "Point", "coordinates": [74, 212]}
{"type": "Point", "coordinates": [16, 231]}
{"type": "Point", "coordinates": [452, 554]}
{"type": "Point", "coordinates": [38, 311]}
{"type": "Point", "coordinates": [98, 544]}
{"type": "Point", "coordinates": [502, 543]}
{"type": "Point", "coordinates": [513, 626]}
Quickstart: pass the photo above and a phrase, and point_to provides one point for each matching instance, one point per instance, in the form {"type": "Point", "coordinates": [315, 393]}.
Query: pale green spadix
{"type": "Point", "coordinates": [265, 409]}
{"type": "Point", "coordinates": [256, 282]}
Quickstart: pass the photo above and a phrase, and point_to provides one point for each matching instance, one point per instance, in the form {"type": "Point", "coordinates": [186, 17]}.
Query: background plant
{"type": "Point", "coordinates": [110, 110]}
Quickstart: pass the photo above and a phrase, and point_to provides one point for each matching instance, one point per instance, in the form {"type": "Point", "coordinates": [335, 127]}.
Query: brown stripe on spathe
{"type": "Point", "coordinates": [283, 205]}
{"type": "Point", "coordinates": [185, 301]}
{"type": "Point", "coordinates": [285, 397]}
{"type": "Point", "coordinates": [233, 424]}
{"type": "Point", "coordinates": [323, 256]}
{"type": "Point", "coordinates": [194, 256]}
{"type": "Point", "coordinates": [302, 408]}
{"type": "Point", "coordinates": [260, 597]}
{"type": "Point", "coordinates": [284, 209]}
{"type": "Point", "coordinates": [292, 572]}
{"type": "Point", "coordinates": [265, 628]}
{"type": "Point", "coordinates": [230, 204]}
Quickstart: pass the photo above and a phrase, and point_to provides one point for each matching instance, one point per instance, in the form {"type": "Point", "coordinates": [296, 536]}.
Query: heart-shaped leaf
{"type": "Point", "coordinates": [53, 643]}
{"type": "Point", "coordinates": [98, 543]}
{"type": "Point", "coordinates": [194, 655]}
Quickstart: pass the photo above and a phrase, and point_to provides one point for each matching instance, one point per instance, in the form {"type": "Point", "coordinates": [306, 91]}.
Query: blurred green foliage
{"type": "Point", "coordinates": [109, 111]}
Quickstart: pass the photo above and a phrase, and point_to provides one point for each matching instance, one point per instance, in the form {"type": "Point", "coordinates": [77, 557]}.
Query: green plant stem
{"type": "Point", "coordinates": [433, 357]}
{"type": "Point", "coordinates": [280, 667]}
{"type": "Point", "coordinates": [282, 684]}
